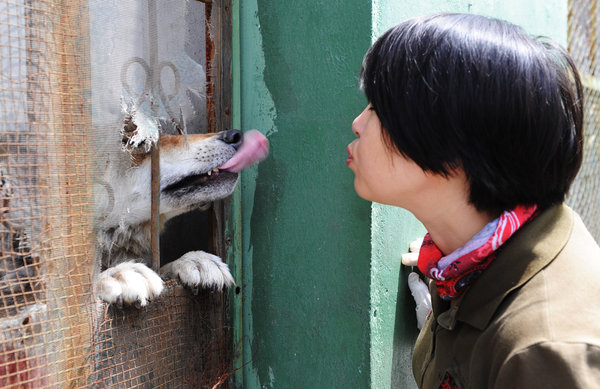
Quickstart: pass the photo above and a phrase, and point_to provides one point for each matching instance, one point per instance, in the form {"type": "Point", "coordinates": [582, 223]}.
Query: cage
{"type": "Point", "coordinates": [583, 45]}
{"type": "Point", "coordinates": [68, 69]}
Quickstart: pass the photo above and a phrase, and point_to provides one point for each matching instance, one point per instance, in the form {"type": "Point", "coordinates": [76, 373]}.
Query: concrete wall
{"type": "Point", "coordinates": [323, 301]}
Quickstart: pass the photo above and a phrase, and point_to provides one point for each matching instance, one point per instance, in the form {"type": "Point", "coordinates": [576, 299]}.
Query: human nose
{"type": "Point", "coordinates": [358, 123]}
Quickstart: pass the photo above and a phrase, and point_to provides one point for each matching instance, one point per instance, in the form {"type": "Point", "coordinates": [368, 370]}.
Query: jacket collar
{"type": "Point", "coordinates": [522, 257]}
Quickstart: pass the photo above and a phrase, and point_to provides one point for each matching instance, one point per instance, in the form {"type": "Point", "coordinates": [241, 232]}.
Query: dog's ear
{"type": "Point", "coordinates": [137, 147]}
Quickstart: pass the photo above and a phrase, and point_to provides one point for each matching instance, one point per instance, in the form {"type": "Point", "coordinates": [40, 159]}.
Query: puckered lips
{"type": "Point", "coordinates": [349, 159]}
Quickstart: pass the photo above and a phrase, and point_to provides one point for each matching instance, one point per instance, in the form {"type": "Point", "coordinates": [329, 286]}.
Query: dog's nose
{"type": "Point", "coordinates": [232, 137]}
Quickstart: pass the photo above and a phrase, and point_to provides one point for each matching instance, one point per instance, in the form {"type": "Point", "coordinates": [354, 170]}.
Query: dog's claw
{"type": "Point", "coordinates": [128, 283]}
{"type": "Point", "coordinates": [198, 269]}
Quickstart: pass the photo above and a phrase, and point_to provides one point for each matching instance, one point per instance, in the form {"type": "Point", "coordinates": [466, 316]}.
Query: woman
{"type": "Point", "coordinates": [476, 129]}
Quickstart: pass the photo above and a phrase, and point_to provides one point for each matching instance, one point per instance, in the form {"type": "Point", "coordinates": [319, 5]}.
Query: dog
{"type": "Point", "coordinates": [195, 169]}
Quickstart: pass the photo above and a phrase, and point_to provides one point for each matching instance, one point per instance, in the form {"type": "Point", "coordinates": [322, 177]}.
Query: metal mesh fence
{"type": "Point", "coordinates": [176, 342]}
{"type": "Point", "coordinates": [46, 240]}
{"type": "Point", "coordinates": [65, 69]}
{"type": "Point", "coordinates": [583, 38]}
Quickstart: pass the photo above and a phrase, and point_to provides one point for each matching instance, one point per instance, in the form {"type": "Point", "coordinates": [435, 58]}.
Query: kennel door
{"type": "Point", "coordinates": [69, 71]}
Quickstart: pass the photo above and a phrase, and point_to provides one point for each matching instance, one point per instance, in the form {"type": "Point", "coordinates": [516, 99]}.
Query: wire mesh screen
{"type": "Point", "coordinates": [584, 29]}
{"type": "Point", "coordinates": [46, 237]}
{"type": "Point", "coordinates": [69, 71]}
{"type": "Point", "coordinates": [174, 343]}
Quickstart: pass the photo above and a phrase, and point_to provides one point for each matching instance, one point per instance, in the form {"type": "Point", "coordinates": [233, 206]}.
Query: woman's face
{"type": "Point", "coordinates": [381, 174]}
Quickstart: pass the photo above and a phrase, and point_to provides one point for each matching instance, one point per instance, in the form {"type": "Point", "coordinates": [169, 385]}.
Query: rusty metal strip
{"type": "Point", "coordinates": [155, 207]}
{"type": "Point", "coordinates": [155, 155]}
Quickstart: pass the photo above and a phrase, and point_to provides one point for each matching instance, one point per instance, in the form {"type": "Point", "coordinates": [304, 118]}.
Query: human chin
{"type": "Point", "coordinates": [362, 190]}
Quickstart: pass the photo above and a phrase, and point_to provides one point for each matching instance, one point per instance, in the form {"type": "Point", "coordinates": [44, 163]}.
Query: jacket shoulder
{"type": "Point", "coordinates": [559, 303]}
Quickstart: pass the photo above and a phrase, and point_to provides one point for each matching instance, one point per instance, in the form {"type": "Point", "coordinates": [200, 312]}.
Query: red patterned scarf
{"type": "Point", "coordinates": [455, 272]}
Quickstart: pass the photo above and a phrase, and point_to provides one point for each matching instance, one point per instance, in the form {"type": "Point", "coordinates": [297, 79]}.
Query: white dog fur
{"type": "Point", "coordinates": [189, 178]}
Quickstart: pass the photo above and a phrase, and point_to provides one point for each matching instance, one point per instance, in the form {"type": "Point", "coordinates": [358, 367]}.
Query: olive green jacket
{"type": "Point", "coordinates": [532, 320]}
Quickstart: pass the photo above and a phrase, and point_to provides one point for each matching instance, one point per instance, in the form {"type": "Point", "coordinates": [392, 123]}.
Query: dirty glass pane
{"type": "Point", "coordinates": [148, 56]}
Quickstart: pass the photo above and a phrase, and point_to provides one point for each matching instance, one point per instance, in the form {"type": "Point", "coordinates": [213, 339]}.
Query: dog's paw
{"type": "Point", "coordinates": [199, 269]}
{"type": "Point", "coordinates": [128, 283]}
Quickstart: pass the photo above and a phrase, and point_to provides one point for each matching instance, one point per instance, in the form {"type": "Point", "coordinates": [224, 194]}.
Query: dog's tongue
{"type": "Point", "coordinates": [255, 148]}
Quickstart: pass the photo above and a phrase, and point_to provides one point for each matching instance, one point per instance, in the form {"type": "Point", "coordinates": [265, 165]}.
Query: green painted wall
{"type": "Point", "coordinates": [306, 233]}
{"type": "Point", "coordinates": [323, 301]}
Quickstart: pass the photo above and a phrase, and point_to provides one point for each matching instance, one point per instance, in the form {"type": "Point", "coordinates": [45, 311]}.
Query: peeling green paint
{"type": "Point", "coordinates": [305, 232]}
{"type": "Point", "coordinates": [256, 110]}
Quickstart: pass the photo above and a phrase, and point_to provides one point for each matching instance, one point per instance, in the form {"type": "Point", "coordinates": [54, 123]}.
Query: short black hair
{"type": "Point", "coordinates": [471, 92]}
